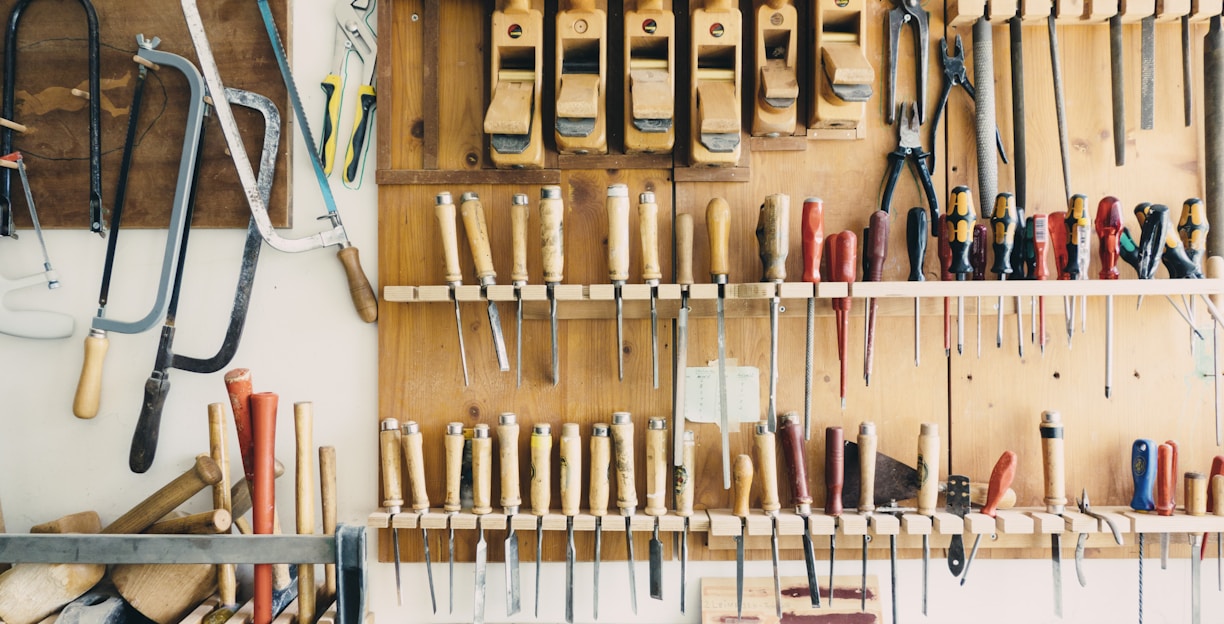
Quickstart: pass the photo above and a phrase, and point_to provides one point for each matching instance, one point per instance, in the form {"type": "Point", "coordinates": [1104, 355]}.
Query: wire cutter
{"type": "Point", "coordinates": [909, 147]}
{"type": "Point", "coordinates": [908, 12]}
{"type": "Point", "coordinates": [354, 35]}
{"type": "Point", "coordinates": [956, 76]}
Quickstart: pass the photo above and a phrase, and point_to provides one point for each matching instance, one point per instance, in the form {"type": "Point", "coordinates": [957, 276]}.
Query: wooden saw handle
{"type": "Point", "coordinates": [89, 386]}
{"type": "Point", "coordinates": [360, 290]}
{"type": "Point", "coordinates": [303, 429]}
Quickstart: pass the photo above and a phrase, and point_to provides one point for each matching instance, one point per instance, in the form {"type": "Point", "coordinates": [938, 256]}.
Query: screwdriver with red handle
{"type": "Point", "coordinates": [945, 263]}
{"type": "Point", "coordinates": [835, 467]}
{"type": "Point", "coordinates": [1167, 479]}
{"type": "Point", "coordinates": [1109, 232]}
{"type": "Point", "coordinates": [812, 233]}
{"type": "Point", "coordinates": [1041, 239]}
{"type": "Point", "coordinates": [1000, 479]}
{"type": "Point", "coordinates": [843, 249]}
{"type": "Point", "coordinates": [916, 228]}
{"type": "Point", "coordinates": [960, 221]}
{"type": "Point", "coordinates": [1056, 222]}
{"type": "Point", "coordinates": [876, 252]}
{"type": "Point", "coordinates": [1217, 468]}
{"type": "Point", "coordinates": [977, 259]}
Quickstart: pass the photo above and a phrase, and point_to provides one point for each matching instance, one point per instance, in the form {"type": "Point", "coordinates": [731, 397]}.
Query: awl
{"type": "Point", "coordinates": [684, 277]}
{"type": "Point", "coordinates": [478, 241]}
{"type": "Point", "coordinates": [518, 274]}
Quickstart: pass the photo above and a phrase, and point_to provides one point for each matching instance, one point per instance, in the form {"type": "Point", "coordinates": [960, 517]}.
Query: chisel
{"type": "Point", "coordinates": [1166, 491]}
{"type": "Point", "coordinates": [617, 205]}
{"type": "Point", "coordinates": [794, 453]}
{"type": "Point", "coordinates": [552, 209]}
{"type": "Point", "coordinates": [876, 251]}
{"type": "Point", "coordinates": [1000, 480]}
{"type": "Point", "coordinates": [812, 233]}
{"type": "Point", "coordinates": [1109, 231]}
{"type": "Point", "coordinates": [1078, 245]}
{"type": "Point", "coordinates": [482, 471]}
{"type": "Point", "coordinates": [1192, 229]}
{"type": "Point", "coordinates": [1143, 474]}
{"type": "Point", "coordinates": [571, 493]}
{"type": "Point", "coordinates": [835, 474]}
{"type": "Point", "coordinates": [444, 210]}
{"type": "Point", "coordinates": [453, 444]}
{"type": "Point", "coordinates": [478, 241]}
{"type": "Point", "coordinates": [518, 273]}
{"type": "Point", "coordinates": [767, 459]}
{"type": "Point", "coordinates": [1055, 491]}
{"type": "Point", "coordinates": [511, 499]}
{"type": "Point", "coordinates": [916, 228]}
{"type": "Point", "coordinates": [393, 498]}
{"type": "Point", "coordinates": [1196, 505]}
{"type": "Point", "coordinates": [961, 217]}
{"type": "Point", "coordinates": [1217, 468]}
{"type": "Point", "coordinates": [541, 491]}
{"type": "Point", "coordinates": [718, 229]}
{"type": "Point", "coordinates": [740, 487]}
{"type": "Point", "coordinates": [684, 277]}
{"type": "Point", "coordinates": [648, 224]}
{"type": "Point", "coordinates": [867, 442]}
{"type": "Point", "coordinates": [656, 497]}
{"type": "Point", "coordinates": [683, 497]}
{"type": "Point", "coordinates": [626, 489]}
{"type": "Point", "coordinates": [773, 243]}
{"type": "Point", "coordinates": [601, 457]}
{"type": "Point", "coordinates": [414, 461]}
{"type": "Point", "coordinates": [928, 492]}
{"type": "Point", "coordinates": [303, 430]}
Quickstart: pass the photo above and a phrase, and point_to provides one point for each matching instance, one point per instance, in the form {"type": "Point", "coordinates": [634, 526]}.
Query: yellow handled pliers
{"type": "Point", "coordinates": [354, 36]}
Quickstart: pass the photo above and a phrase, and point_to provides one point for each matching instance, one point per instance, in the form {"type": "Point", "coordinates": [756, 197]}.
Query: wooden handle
{"type": "Point", "coordinates": [718, 228]}
{"type": "Point", "coordinates": [835, 470]}
{"type": "Point", "coordinates": [1052, 461]}
{"type": "Point", "coordinates": [876, 247]}
{"type": "Point", "coordinates": [812, 232]}
{"type": "Point", "coordinates": [392, 471]}
{"type": "Point", "coordinates": [648, 224]}
{"type": "Point", "coordinates": [303, 431]}
{"type": "Point", "coordinates": [773, 236]}
{"type": "Point", "coordinates": [454, 468]}
{"type": "Point", "coordinates": [80, 522]}
{"type": "Point", "coordinates": [622, 450]}
{"type": "Point", "coordinates": [518, 234]}
{"type": "Point", "coordinates": [240, 496]}
{"type": "Point", "coordinates": [684, 249]}
{"type": "Point", "coordinates": [656, 467]}
{"type": "Point", "coordinates": [227, 581]}
{"type": "Point", "coordinates": [444, 211]}
{"type": "Point", "coordinates": [202, 474]}
{"type": "Point", "coordinates": [1196, 494]}
{"type": "Point", "coordinates": [1173, 493]}
{"type": "Point", "coordinates": [928, 468]}
{"type": "Point", "coordinates": [204, 523]}
{"type": "Point", "coordinates": [683, 481]}
{"type": "Point", "coordinates": [979, 493]}
{"type": "Point", "coordinates": [541, 469]}
{"type": "Point", "coordinates": [867, 443]}
{"type": "Point", "coordinates": [601, 458]}
{"type": "Point", "coordinates": [552, 234]}
{"type": "Point", "coordinates": [482, 470]}
{"type": "Point", "coordinates": [618, 232]}
{"type": "Point", "coordinates": [89, 386]}
{"type": "Point", "coordinates": [1000, 482]}
{"type": "Point", "coordinates": [571, 469]}
{"type": "Point", "coordinates": [478, 237]}
{"type": "Point", "coordinates": [741, 485]}
{"type": "Point", "coordinates": [1217, 491]}
{"type": "Point", "coordinates": [767, 459]}
{"type": "Point", "coordinates": [508, 446]}
{"type": "Point", "coordinates": [1165, 480]}
{"type": "Point", "coordinates": [263, 494]}
{"type": "Point", "coordinates": [327, 496]}
{"type": "Point", "coordinates": [414, 461]}
{"type": "Point", "coordinates": [238, 387]}
{"type": "Point", "coordinates": [794, 453]}
{"type": "Point", "coordinates": [360, 290]}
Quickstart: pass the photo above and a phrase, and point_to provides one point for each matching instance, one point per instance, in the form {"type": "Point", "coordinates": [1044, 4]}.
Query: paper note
{"type": "Point", "coordinates": [743, 393]}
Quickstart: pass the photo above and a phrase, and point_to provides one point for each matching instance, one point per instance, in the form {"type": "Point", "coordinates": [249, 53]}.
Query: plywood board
{"type": "Point", "coordinates": [718, 598]}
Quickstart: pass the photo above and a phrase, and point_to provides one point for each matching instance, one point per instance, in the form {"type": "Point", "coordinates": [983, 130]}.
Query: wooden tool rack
{"type": "Point", "coordinates": [434, 94]}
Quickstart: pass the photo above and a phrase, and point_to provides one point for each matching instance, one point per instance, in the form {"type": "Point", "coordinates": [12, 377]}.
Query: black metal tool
{"type": "Point", "coordinates": [955, 76]}
{"type": "Point", "coordinates": [908, 12]}
{"type": "Point", "coordinates": [958, 505]}
{"type": "Point", "coordinates": [909, 148]}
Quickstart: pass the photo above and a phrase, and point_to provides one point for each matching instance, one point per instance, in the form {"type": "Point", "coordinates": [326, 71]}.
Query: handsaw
{"type": "Point", "coordinates": [896, 481]}
{"type": "Point", "coordinates": [359, 287]}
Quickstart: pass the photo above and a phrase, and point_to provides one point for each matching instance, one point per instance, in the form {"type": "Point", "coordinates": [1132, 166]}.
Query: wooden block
{"type": "Point", "coordinates": [405, 520]}
{"type": "Point", "coordinates": [1177, 523]}
{"type": "Point", "coordinates": [723, 523]}
{"type": "Point", "coordinates": [579, 96]}
{"type": "Point", "coordinates": [796, 290]}
{"type": "Point", "coordinates": [821, 524]}
{"type": "Point", "coordinates": [378, 520]}
{"type": "Point", "coordinates": [718, 107]}
{"type": "Point", "coordinates": [652, 93]}
{"type": "Point", "coordinates": [852, 524]}
{"type": "Point", "coordinates": [832, 290]}
{"type": "Point", "coordinates": [432, 520]}
{"type": "Point", "coordinates": [916, 524]}
{"type": "Point", "coordinates": [1096, 11]}
{"type": "Point", "coordinates": [469, 292]}
{"type": "Point", "coordinates": [1014, 522]}
{"type": "Point", "coordinates": [433, 293]}
{"type": "Point", "coordinates": [526, 522]}
{"type": "Point", "coordinates": [885, 524]}
{"type": "Point", "coordinates": [635, 292]}
{"type": "Point", "coordinates": [699, 521]}
{"type": "Point", "coordinates": [977, 523]}
{"type": "Point", "coordinates": [1081, 523]}
{"type": "Point", "coordinates": [510, 108]}
{"type": "Point", "coordinates": [948, 524]}
{"type": "Point", "coordinates": [467, 522]}
{"type": "Point", "coordinates": [1070, 11]}
{"type": "Point", "coordinates": [1169, 10]}
{"type": "Point", "coordinates": [1135, 10]}
{"type": "Point", "coordinates": [999, 11]}
{"type": "Point", "coordinates": [1120, 519]}
{"type": "Point", "coordinates": [964, 12]}
{"type": "Point", "coordinates": [759, 525]}
{"type": "Point", "coordinates": [569, 292]}
{"type": "Point", "coordinates": [671, 523]}
{"type": "Point", "coordinates": [1203, 10]}
{"type": "Point", "coordinates": [778, 80]}
{"type": "Point", "coordinates": [602, 292]}
{"type": "Point", "coordinates": [718, 598]}
{"type": "Point", "coordinates": [790, 524]}
{"type": "Point", "coordinates": [1033, 11]}
{"type": "Point", "coordinates": [845, 64]}
{"type": "Point", "coordinates": [1048, 522]}
{"type": "Point", "coordinates": [534, 292]}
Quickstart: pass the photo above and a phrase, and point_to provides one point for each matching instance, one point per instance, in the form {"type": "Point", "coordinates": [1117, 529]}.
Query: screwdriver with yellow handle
{"type": "Point", "coordinates": [1192, 229]}
{"type": "Point", "coordinates": [961, 218]}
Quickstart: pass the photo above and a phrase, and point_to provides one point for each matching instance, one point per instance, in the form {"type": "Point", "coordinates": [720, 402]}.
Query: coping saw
{"type": "Point", "coordinates": [31, 323]}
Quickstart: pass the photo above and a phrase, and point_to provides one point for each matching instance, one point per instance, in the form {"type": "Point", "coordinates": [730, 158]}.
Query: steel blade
{"type": "Point", "coordinates": [807, 368]}
{"type": "Point", "coordinates": [773, 547]}
{"type": "Point", "coordinates": [569, 570]}
{"type": "Point", "coordinates": [450, 563]}
{"type": "Point", "coordinates": [656, 564]}
{"type": "Point", "coordinates": [513, 589]}
{"type": "Point", "coordinates": [518, 335]}
{"type": "Point", "coordinates": [771, 416]}
{"type": "Point", "coordinates": [1195, 569]}
{"type": "Point", "coordinates": [1147, 72]}
{"type": "Point", "coordinates": [684, 564]}
{"type": "Point", "coordinates": [433, 601]}
{"type": "Point", "coordinates": [395, 547]}
{"type": "Point", "coordinates": [620, 336]}
{"type": "Point", "coordinates": [679, 372]}
{"type": "Point", "coordinates": [1056, 560]}
{"type": "Point", "coordinates": [739, 576]}
{"type": "Point", "coordinates": [723, 421]}
{"type": "Point", "coordinates": [552, 319]}
{"type": "Point", "coordinates": [499, 341]}
{"type": "Point", "coordinates": [478, 593]}
{"type": "Point", "coordinates": [632, 571]}
{"type": "Point", "coordinates": [654, 334]}
{"type": "Point", "coordinates": [459, 332]}
{"type": "Point", "coordinates": [539, 552]}
{"type": "Point", "coordinates": [598, 551]}
{"type": "Point", "coordinates": [809, 562]}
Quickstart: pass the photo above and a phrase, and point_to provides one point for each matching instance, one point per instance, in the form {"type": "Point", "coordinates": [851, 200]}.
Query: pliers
{"type": "Point", "coordinates": [1086, 509]}
{"type": "Point", "coordinates": [956, 76]}
{"type": "Point", "coordinates": [909, 147]}
{"type": "Point", "coordinates": [354, 35]}
{"type": "Point", "coordinates": [908, 12]}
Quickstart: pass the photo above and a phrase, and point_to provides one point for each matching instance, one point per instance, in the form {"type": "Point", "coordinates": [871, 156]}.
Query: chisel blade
{"type": "Point", "coordinates": [433, 601]}
{"type": "Point", "coordinates": [459, 331]}
{"type": "Point", "coordinates": [632, 567]}
{"type": "Point", "coordinates": [739, 576]}
{"type": "Point", "coordinates": [684, 563]}
{"type": "Point", "coordinates": [499, 341]}
{"type": "Point", "coordinates": [723, 420]}
{"type": "Point", "coordinates": [1196, 563]}
{"type": "Point", "coordinates": [478, 593]}
{"type": "Point", "coordinates": [1117, 89]}
{"type": "Point", "coordinates": [595, 571]}
{"type": "Point", "coordinates": [1056, 560]}
{"type": "Point", "coordinates": [654, 334]}
{"type": "Point", "coordinates": [773, 547]}
{"type": "Point", "coordinates": [399, 588]}
{"type": "Point", "coordinates": [539, 555]}
{"type": "Point", "coordinates": [809, 561]}
{"type": "Point", "coordinates": [620, 336]}
{"type": "Point", "coordinates": [656, 564]}
{"type": "Point", "coordinates": [569, 570]}
{"type": "Point", "coordinates": [450, 563]}
{"type": "Point", "coordinates": [518, 336]}
{"type": "Point", "coordinates": [552, 319]}
{"type": "Point", "coordinates": [513, 589]}
{"type": "Point", "coordinates": [807, 368]}
{"type": "Point", "coordinates": [678, 378]}
{"type": "Point", "coordinates": [771, 416]}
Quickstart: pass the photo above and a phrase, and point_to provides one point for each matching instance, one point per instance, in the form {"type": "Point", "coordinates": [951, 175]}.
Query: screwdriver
{"type": "Point", "coordinates": [648, 224]}
{"type": "Point", "coordinates": [928, 492]}
{"type": "Point", "coordinates": [1192, 230]}
{"type": "Point", "coordinates": [601, 457]}
{"type": "Point", "coordinates": [684, 278]}
{"type": "Point", "coordinates": [835, 476]}
{"type": "Point", "coordinates": [453, 504]}
{"type": "Point", "coordinates": [812, 232]}
{"type": "Point", "coordinates": [1166, 478]}
{"type": "Point", "coordinates": [916, 228]}
{"type": "Point", "coordinates": [626, 488]}
{"type": "Point", "coordinates": [683, 499]}
{"type": "Point", "coordinates": [1000, 479]}
{"type": "Point", "coordinates": [656, 497]}
{"type": "Point", "coordinates": [1003, 222]}
{"type": "Point", "coordinates": [618, 261]}
{"type": "Point", "coordinates": [842, 251]}
{"type": "Point", "coordinates": [571, 493]}
{"type": "Point", "coordinates": [518, 273]}
{"type": "Point", "coordinates": [541, 491]}
{"type": "Point", "coordinates": [794, 453]}
{"type": "Point", "coordinates": [867, 444]}
{"type": "Point", "coordinates": [1041, 238]}
{"type": "Point", "coordinates": [482, 467]}
{"type": "Point", "coordinates": [740, 487]}
{"type": "Point", "coordinates": [773, 242]}
{"type": "Point", "coordinates": [945, 263]}
{"type": "Point", "coordinates": [478, 241]}
{"type": "Point", "coordinates": [1217, 468]}
{"type": "Point", "coordinates": [767, 459]}
{"type": "Point", "coordinates": [1109, 231]}
{"type": "Point", "coordinates": [1055, 484]}
{"type": "Point", "coordinates": [1143, 474]}
{"type": "Point", "coordinates": [1030, 263]}
{"type": "Point", "coordinates": [977, 259]}
{"type": "Point", "coordinates": [511, 499]}
{"type": "Point", "coordinates": [1078, 252]}
{"type": "Point", "coordinates": [1056, 222]}
{"type": "Point", "coordinates": [876, 245]}
{"type": "Point", "coordinates": [552, 209]}
{"type": "Point", "coordinates": [961, 218]}
{"type": "Point", "coordinates": [412, 443]}
{"type": "Point", "coordinates": [444, 210]}
{"type": "Point", "coordinates": [718, 229]}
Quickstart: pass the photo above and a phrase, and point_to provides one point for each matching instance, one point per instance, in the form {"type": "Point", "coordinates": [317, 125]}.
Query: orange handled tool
{"type": "Point", "coordinates": [876, 252]}
{"type": "Point", "coordinates": [1217, 468]}
{"type": "Point", "coordinates": [843, 252]}
{"type": "Point", "coordinates": [238, 386]}
{"type": "Point", "coordinates": [263, 492]}
{"type": "Point", "coordinates": [1000, 480]}
{"type": "Point", "coordinates": [812, 232]}
{"type": "Point", "coordinates": [1041, 239]}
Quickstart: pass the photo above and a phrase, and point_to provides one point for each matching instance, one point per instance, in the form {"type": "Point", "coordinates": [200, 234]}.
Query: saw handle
{"type": "Point", "coordinates": [835, 470]}
{"type": "Point", "coordinates": [1143, 473]}
{"type": "Point", "coordinates": [541, 469]}
{"type": "Point", "coordinates": [648, 224]}
{"type": "Point", "coordinates": [812, 231]}
{"type": "Point", "coordinates": [794, 453]}
{"type": "Point", "coordinates": [718, 230]}
{"type": "Point", "coordinates": [601, 457]}
{"type": "Point", "coordinates": [767, 459]}
{"type": "Point", "coordinates": [414, 460]}
{"type": "Point", "coordinates": [617, 205]}
{"type": "Point", "coordinates": [571, 469]}
{"type": "Point", "coordinates": [477, 232]}
{"type": "Point", "coordinates": [89, 386]}
{"type": "Point", "coordinates": [656, 468]}
{"type": "Point", "coordinates": [482, 470]}
{"type": "Point", "coordinates": [148, 424]}
{"type": "Point", "coordinates": [1000, 481]}
{"type": "Point", "coordinates": [741, 485]}
{"type": "Point", "coordinates": [928, 468]}
{"type": "Point", "coordinates": [773, 236]}
{"type": "Point", "coordinates": [684, 249]}
{"type": "Point", "coordinates": [453, 444]}
{"type": "Point", "coordinates": [519, 212]}
{"type": "Point", "coordinates": [552, 234]}
{"type": "Point", "coordinates": [507, 444]}
{"type": "Point", "coordinates": [868, 442]}
{"type": "Point", "coordinates": [359, 286]}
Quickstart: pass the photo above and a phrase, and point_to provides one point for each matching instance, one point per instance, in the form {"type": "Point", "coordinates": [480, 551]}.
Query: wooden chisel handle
{"type": "Point", "coordinates": [794, 453]}
{"type": "Point", "coordinates": [89, 386]}
{"type": "Point", "coordinates": [204, 523]}
{"type": "Point", "coordinates": [444, 212]}
{"type": "Point", "coordinates": [227, 581]}
{"type": "Point", "coordinates": [773, 236]}
{"type": "Point", "coordinates": [571, 469]}
{"type": "Point", "coordinates": [656, 467]}
{"type": "Point", "coordinates": [622, 449]}
{"type": "Point", "coordinates": [360, 290]}
{"type": "Point", "coordinates": [684, 249]}
{"type": "Point", "coordinates": [1175, 472]}
{"type": "Point", "coordinates": [928, 468]}
{"type": "Point", "coordinates": [482, 470]}
{"type": "Point", "coordinates": [453, 444]}
{"type": "Point", "coordinates": [617, 205]}
{"type": "Point", "coordinates": [478, 237]}
{"type": "Point", "coordinates": [519, 212]}
{"type": "Point", "coordinates": [741, 485]}
{"type": "Point", "coordinates": [202, 474]}
{"type": "Point", "coordinates": [868, 443]}
{"type": "Point", "coordinates": [718, 229]}
{"type": "Point", "coordinates": [263, 494]}
{"type": "Point", "coordinates": [683, 482]}
{"type": "Point", "coordinates": [327, 496]}
{"type": "Point", "coordinates": [601, 458]}
{"type": "Point", "coordinates": [812, 230]}
{"type": "Point", "coordinates": [1217, 490]}
{"type": "Point", "coordinates": [238, 386]}
{"type": "Point", "coordinates": [508, 453]}
{"type": "Point", "coordinates": [767, 459]}
{"type": "Point", "coordinates": [835, 470]}
{"type": "Point", "coordinates": [1196, 494]}
{"type": "Point", "coordinates": [303, 430]}
{"type": "Point", "coordinates": [414, 460]}
{"type": "Point", "coordinates": [389, 459]}
{"type": "Point", "coordinates": [552, 234]}
{"type": "Point", "coordinates": [541, 470]}
{"type": "Point", "coordinates": [1000, 481]}
{"type": "Point", "coordinates": [80, 522]}
{"type": "Point", "coordinates": [1052, 462]}
{"type": "Point", "coordinates": [648, 224]}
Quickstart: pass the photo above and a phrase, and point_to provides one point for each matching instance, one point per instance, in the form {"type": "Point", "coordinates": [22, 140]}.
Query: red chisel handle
{"type": "Point", "coordinates": [263, 494]}
{"type": "Point", "coordinates": [1000, 479]}
{"type": "Point", "coordinates": [1109, 231]}
{"type": "Point", "coordinates": [1165, 480]}
{"type": "Point", "coordinates": [812, 231]}
{"type": "Point", "coordinates": [834, 470]}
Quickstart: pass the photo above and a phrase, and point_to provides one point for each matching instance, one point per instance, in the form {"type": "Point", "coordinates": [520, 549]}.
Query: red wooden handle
{"type": "Point", "coordinates": [1173, 492]}
{"type": "Point", "coordinates": [1165, 480]}
{"type": "Point", "coordinates": [834, 470]}
{"type": "Point", "coordinates": [793, 451]}
{"type": "Point", "coordinates": [1041, 238]}
{"type": "Point", "coordinates": [238, 385]}
{"type": "Point", "coordinates": [877, 247]}
{"type": "Point", "coordinates": [263, 494]}
{"type": "Point", "coordinates": [1000, 480]}
{"type": "Point", "coordinates": [1109, 231]}
{"type": "Point", "coordinates": [945, 249]}
{"type": "Point", "coordinates": [812, 228]}
{"type": "Point", "coordinates": [1058, 240]}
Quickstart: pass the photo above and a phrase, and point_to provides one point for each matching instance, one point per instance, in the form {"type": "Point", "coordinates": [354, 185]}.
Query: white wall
{"type": "Point", "coordinates": [304, 341]}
